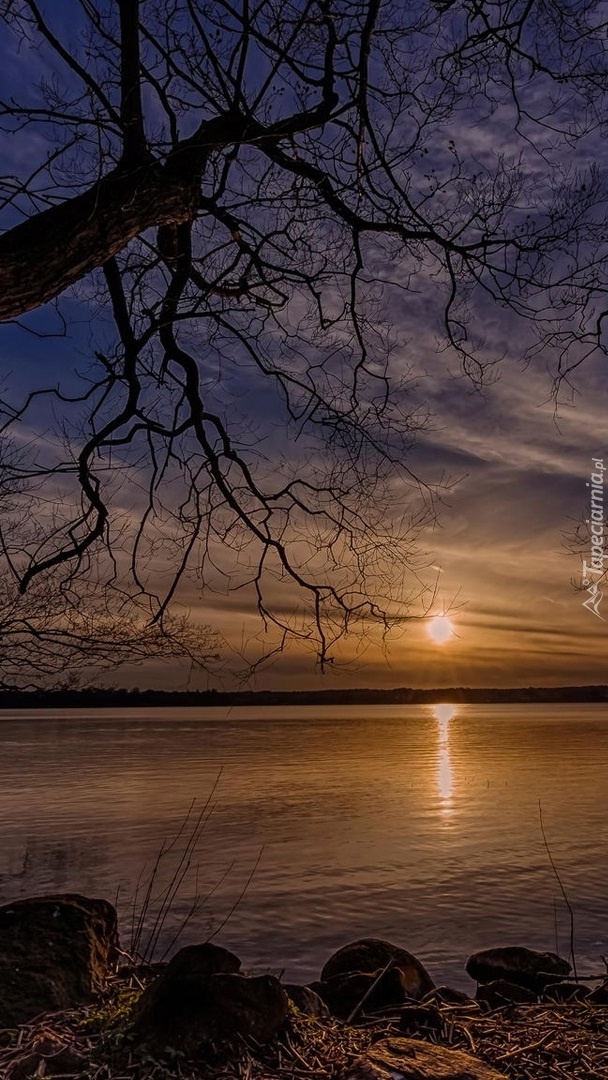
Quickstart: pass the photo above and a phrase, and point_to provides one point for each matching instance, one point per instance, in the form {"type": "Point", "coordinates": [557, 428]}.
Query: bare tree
{"type": "Point", "coordinates": [67, 630]}
{"type": "Point", "coordinates": [53, 638]}
{"type": "Point", "coordinates": [238, 192]}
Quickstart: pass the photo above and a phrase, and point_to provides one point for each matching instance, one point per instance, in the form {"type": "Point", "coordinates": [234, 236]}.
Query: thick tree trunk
{"type": "Point", "coordinates": [54, 249]}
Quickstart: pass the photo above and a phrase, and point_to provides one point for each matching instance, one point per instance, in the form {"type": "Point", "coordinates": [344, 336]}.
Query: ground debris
{"type": "Point", "coordinates": [525, 1042]}
{"type": "Point", "coordinates": [540, 1042]}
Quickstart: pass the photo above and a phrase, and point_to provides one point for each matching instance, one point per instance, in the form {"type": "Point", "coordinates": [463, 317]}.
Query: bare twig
{"type": "Point", "coordinates": [561, 886]}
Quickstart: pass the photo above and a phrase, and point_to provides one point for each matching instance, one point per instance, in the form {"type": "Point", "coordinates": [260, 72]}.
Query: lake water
{"type": "Point", "coordinates": [419, 824]}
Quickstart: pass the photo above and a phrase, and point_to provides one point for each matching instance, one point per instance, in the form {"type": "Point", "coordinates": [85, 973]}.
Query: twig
{"type": "Point", "coordinates": [524, 1049]}
{"type": "Point", "coordinates": [163, 901]}
{"type": "Point", "coordinates": [367, 993]}
{"type": "Point", "coordinates": [239, 897]}
{"type": "Point", "coordinates": [563, 891]}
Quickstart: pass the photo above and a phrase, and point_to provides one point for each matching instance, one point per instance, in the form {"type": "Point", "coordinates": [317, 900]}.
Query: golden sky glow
{"type": "Point", "coordinates": [504, 574]}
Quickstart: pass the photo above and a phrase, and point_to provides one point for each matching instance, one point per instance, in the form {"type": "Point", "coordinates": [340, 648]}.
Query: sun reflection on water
{"type": "Point", "coordinates": [444, 714]}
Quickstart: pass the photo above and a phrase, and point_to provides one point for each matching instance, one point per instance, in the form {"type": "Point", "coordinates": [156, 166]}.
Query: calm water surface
{"type": "Point", "coordinates": [418, 823]}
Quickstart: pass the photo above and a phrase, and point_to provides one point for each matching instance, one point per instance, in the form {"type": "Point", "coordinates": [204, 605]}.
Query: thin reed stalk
{"type": "Point", "coordinates": [562, 889]}
{"type": "Point", "coordinates": [239, 897]}
{"type": "Point", "coordinates": [154, 902]}
{"type": "Point", "coordinates": [149, 914]}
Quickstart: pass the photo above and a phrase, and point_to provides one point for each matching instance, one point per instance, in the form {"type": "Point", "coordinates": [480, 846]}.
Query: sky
{"type": "Point", "coordinates": [498, 552]}
{"type": "Point", "coordinates": [515, 465]}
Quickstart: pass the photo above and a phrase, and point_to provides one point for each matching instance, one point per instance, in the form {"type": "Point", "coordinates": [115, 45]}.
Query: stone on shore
{"type": "Point", "coordinates": [409, 1059]}
{"type": "Point", "coordinates": [563, 992]}
{"type": "Point", "coordinates": [500, 992]}
{"type": "Point", "coordinates": [306, 1000]}
{"type": "Point", "coordinates": [516, 964]}
{"type": "Point", "coordinates": [55, 953]}
{"type": "Point", "coordinates": [189, 1012]}
{"type": "Point", "coordinates": [446, 995]}
{"type": "Point", "coordinates": [599, 996]}
{"type": "Point", "coordinates": [414, 1019]}
{"type": "Point", "coordinates": [371, 955]}
{"type": "Point", "coordinates": [177, 989]}
{"type": "Point", "coordinates": [195, 961]}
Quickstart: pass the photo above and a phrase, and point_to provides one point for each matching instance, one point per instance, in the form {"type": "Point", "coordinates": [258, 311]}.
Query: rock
{"type": "Point", "coordinates": [372, 954]}
{"type": "Point", "coordinates": [55, 953]}
{"type": "Point", "coordinates": [191, 1011]}
{"type": "Point", "coordinates": [599, 996]}
{"type": "Point", "coordinates": [562, 992]}
{"type": "Point", "coordinates": [447, 996]}
{"type": "Point", "coordinates": [519, 965]}
{"type": "Point", "coordinates": [423, 1018]}
{"type": "Point", "coordinates": [306, 1000]}
{"type": "Point", "coordinates": [191, 966]}
{"type": "Point", "coordinates": [201, 961]}
{"type": "Point", "coordinates": [497, 994]}
{"type": "Point", "coordinates": [410, 1059]}
{"type": "Point", "coordinates": [342, 993]}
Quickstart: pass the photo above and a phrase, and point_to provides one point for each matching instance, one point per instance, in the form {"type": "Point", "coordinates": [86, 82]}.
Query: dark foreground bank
{"type": "Point", "coordinates": [74, 1006]}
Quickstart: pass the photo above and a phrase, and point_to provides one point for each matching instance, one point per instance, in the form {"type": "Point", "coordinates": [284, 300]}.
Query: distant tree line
{"type": "Point", "coordinates": [117, 698]}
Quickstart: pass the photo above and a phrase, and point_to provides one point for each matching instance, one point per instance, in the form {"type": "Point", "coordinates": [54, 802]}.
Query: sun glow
{"type": "Point", "coordinates": [440, 629]}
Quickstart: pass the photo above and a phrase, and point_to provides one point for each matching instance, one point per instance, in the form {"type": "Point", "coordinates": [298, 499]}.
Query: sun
{"type": "Point", "coordinates": [440, 629]}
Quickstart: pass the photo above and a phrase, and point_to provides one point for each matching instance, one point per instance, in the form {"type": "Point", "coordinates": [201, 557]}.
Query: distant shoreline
{"type": "Point", "coordinates": [103, 698]}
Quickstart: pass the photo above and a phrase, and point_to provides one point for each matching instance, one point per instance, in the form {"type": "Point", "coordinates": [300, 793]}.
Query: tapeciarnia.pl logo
{"type": "Point", "coordinates": [593, 570]}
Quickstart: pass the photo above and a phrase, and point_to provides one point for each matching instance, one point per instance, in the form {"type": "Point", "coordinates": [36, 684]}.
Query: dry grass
{"type": "Point", "coordinates": [541, 1042]}
{"type": "Point", "coordinates": [526, 1042]}
{"type": "Point", "coordinates": [306, 1048]}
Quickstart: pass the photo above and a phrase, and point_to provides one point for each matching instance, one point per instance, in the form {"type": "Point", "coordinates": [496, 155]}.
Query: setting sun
{"type": "Point", "coordinates": [440, 629]}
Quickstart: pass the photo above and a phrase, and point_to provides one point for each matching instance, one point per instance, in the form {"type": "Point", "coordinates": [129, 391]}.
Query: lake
{"type": "Point", "coordinates": [419, 824]}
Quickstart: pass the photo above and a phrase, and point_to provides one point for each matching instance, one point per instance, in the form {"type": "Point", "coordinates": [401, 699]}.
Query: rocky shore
{"type": "Point", "coordinates": [75, 1007]}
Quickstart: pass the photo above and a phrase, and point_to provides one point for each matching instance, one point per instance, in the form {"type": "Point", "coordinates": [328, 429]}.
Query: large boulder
{"type": "Point", "coordinates": [191, 1007]}
{"type": "Point", "coordinates": [371, 955]}
{"type": "Point", "coordinates": [516, 964]}
{"type": "Point", "coordinates": [55, 953]}
{"type": "Point", "coordinates": [411, 1059]}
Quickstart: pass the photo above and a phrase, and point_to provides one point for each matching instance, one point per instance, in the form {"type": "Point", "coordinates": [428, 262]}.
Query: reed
{"type": "Point", "coordinates": [176, 874]}
{"type": "Point", "coordinates": [562, 890]}
{"type": "Point", "coordinates": [175, 870]}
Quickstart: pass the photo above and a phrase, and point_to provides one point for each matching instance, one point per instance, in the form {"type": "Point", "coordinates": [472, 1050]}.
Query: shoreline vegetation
{"type": "Point", "coordinates": [101, 697]}
{"type": "Point", "coordinates": [73, 1004]}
